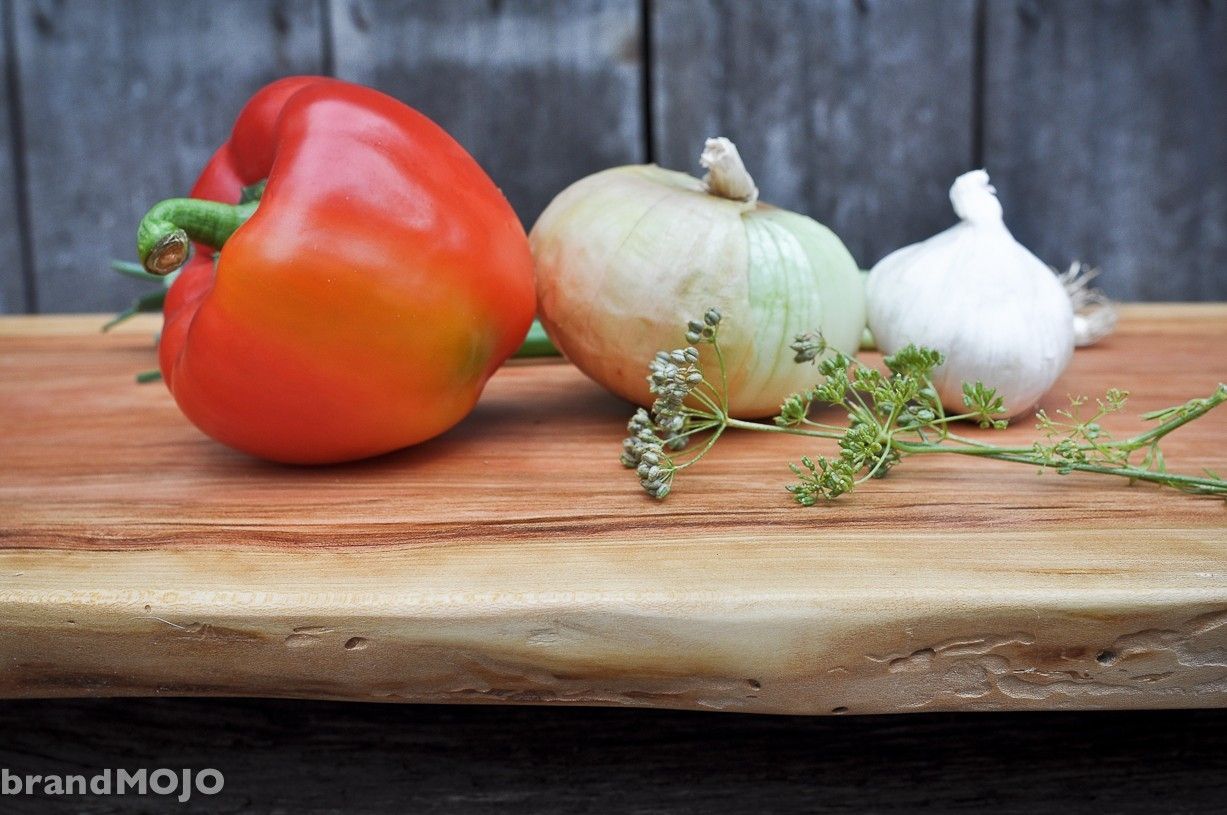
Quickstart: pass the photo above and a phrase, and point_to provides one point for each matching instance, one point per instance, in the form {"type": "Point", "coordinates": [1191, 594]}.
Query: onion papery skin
{"type": "Point", "coordinates": [626, 257]}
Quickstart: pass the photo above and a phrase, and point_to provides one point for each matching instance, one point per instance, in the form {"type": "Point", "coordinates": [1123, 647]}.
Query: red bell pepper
{"type": "Point", "coordinates": [361, 302]}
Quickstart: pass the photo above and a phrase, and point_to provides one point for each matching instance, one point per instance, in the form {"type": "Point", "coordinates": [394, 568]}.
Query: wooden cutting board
{"type": "Point", "coordinates": [514, 560]}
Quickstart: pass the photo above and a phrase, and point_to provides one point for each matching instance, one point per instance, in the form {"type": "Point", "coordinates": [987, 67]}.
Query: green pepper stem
{"type": "Point", "coordinates": [165, 234]}
{"type": "Point", "coordinates": [253, 192]}
{"type": "Point", "coordinates": [537, 343]}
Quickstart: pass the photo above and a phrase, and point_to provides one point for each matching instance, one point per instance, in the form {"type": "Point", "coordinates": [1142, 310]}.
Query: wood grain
{"type": "Point", "coordinates": [123, 103]}
{"type": "Point", "coordinates": [541, 93]}
{"type": "Point", "coordinates": [857, 114]}
{"type": "Point", "coordinates": [1104, 129]}
{"type": "Point", "coordinates": [12, 273]}
{"type": "Point", "coordinates": [514, 560]}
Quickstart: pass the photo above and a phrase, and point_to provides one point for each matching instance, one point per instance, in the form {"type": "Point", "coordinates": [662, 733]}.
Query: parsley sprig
{"type": "Point", "coordinates": [890, 416]}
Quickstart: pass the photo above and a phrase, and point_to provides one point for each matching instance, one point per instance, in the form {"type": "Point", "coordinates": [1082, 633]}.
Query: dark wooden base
{"type": "Point", "coordinates": [323, 757]}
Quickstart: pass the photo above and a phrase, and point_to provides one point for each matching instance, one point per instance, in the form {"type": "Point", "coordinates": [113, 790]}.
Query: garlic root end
{"type": "Point", "coordinates": [1094, 313]}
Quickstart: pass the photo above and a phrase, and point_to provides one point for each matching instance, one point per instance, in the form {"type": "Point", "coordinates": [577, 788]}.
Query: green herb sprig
{"type": "Point", "coordinates": [890, 416]}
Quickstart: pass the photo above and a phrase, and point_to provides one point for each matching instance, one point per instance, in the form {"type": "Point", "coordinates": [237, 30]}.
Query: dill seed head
{"type": "Point", "coordinates": [672, 375]}
{"type": "Point", "coordinates": [808, 347]}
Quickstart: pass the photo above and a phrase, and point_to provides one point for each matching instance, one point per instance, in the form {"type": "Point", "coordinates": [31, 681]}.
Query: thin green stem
{"type": "Point", "coordinates": [864, 405]}
{"type": "Point", "coordinates": [713, 393]}
{"type": "Point", "coordinates": [985, 445]}
{"type": "Point", "coordinates": [145, 304]}
{"type": "Point", "coordinates": [1132, 473]}
{"type": "Point", "coordinates": [771, 428]}
{"type": "Point", "coordinates": [886, 450]}
{"type": "Point", "coordinates": [710, 443]}
{"type": "Point", "coordinates": [941, 409]}
{"type": "Point", "coordinates": [948, 419]}
{"type": "Point", "coordinates": [698, 428]}
{"type": "Point", "coordinates": [822, 426]}
{"type": "Point", "coordinates": [705, 399]}
{"type": "Point", "coordinates": [724, 379]}
{"type": "Point", "coordinates": [1198, 408]}
{"type": "Point", "coordinates": [877, 465]}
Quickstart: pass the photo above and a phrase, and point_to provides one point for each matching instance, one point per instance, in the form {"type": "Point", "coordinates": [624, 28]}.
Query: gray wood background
{"type": "Point", "coordinates": [1103, 124]}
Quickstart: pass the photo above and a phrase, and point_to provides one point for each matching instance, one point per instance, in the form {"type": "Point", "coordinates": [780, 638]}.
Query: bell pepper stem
{"type": "Point", "coordinates": [164, 237]}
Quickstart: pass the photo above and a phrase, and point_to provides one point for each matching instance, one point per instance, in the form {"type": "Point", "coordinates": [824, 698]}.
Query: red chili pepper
{"type": "Point", "coordinates": [361, 302]}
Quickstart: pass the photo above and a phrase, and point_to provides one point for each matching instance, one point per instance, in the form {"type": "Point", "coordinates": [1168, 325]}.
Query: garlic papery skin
{"type": "Point", "coordinates": [626, 257]}
{"type": "Point", "coordinates": [996, 311]}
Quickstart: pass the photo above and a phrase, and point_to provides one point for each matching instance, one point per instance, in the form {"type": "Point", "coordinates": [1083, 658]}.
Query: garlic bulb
{"type": "Point", "coordinates": [625, 257]}
{"type": "Point", "coordinates": [995, 310]}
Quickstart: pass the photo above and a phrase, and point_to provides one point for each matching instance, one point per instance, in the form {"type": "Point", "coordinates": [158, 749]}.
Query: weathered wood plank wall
{"type": "Point", "coordinates": [122, 104]}
{"type": "Point", "coordinates": [858, 114]}
{"type": "Point", "coordinates": [1104, 124]}
{"type": "Point", "coordinates": [540, 92]}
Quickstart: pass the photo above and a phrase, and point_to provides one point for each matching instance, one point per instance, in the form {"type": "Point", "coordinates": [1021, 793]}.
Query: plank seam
{"type": "Point", "coordinates": [17, 157]}
{"type": "Point", "coordinates": [978, 79]}
{"type": "Point", "coordinates": [328, 61]}
{"type": "Point", "coordinates": [646, 78]}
